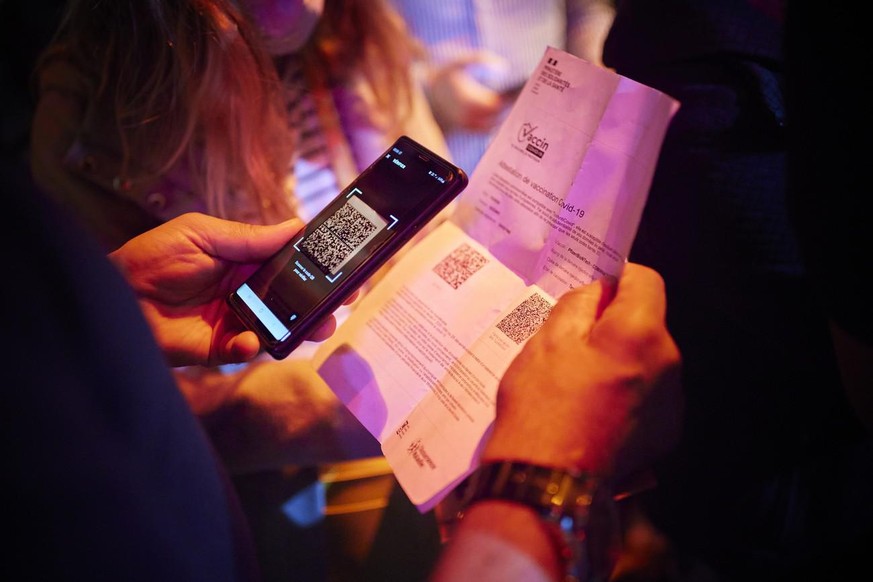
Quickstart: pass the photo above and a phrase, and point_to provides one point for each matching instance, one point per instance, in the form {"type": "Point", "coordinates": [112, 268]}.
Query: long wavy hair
{"type": "Point", "coordinates": [188, 82]}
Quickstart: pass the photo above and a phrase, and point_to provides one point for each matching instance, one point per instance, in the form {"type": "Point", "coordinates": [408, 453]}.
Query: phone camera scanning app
{"type": "Point", "coordinates": [345, 243]}
{"type": "Point", "coordinates": [343, 234]}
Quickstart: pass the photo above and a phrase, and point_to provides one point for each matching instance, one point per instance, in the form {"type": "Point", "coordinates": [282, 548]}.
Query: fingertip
{"type": "Point", "coordinates": [609, 289]}
{"type": "Point", "coordinates": [242, 348]}
{"type": "Point", "coordinates": [292, 224]}
{"type": "Point", "coordinates": [639, 271]}
{"type": "Point", "coordinates": [638, 278]}
{"type": "Point", "coordinates": [352, 298]}
{"type": "Point", "coordinates": [324, 331]}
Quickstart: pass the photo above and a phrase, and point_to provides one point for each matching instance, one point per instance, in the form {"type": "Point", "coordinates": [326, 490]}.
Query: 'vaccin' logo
{"type": "Point", "coordinates": [534, 143]}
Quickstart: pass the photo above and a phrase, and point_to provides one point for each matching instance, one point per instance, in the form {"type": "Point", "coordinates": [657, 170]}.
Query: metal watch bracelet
{"type": "Point", "coordinates": [577, 509]}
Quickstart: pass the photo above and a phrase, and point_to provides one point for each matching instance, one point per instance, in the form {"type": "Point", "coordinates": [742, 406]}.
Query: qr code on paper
{"type": "Point", "coordinates": [341, 235]}
{"type": "Point", "coordinates": [459, 265]}
{"type": "Point", "coordinates": [524, 321]}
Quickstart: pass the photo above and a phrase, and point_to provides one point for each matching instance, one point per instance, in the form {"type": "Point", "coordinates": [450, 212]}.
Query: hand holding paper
{"type": "Point", "coordinates": [554, 203]}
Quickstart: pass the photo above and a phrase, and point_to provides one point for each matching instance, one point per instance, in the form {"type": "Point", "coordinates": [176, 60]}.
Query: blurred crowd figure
{"type": "Point", "coordinates": [767, 481]}
{"type": "Point", "coordinates": [480, 53]}
{"type": "Point", "coordinates": [263, 109]}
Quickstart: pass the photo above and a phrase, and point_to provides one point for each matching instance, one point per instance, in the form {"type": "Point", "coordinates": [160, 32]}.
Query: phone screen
{"type": "Point", "coordinates": [357, 232]}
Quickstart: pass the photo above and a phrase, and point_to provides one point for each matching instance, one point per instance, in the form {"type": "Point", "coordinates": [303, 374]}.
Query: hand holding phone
{"type": "Point", "coordinates": [371, 219]}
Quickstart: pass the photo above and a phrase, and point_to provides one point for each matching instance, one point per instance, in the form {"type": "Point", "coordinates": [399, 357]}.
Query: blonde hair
{"type": "Point", "coordinates": [187, 83]}
{"type": "Point", "coordinates": [366, 39]}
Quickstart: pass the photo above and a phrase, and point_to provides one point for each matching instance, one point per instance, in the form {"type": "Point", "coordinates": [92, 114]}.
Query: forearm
{"type": "Point", "coordinates": [502, 542]}
{"type": "Point", "coordinates": [269, 414]}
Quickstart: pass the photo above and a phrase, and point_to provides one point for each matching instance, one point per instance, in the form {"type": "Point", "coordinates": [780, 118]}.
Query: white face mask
{"type": "Point", "coordinates": [285, 25]}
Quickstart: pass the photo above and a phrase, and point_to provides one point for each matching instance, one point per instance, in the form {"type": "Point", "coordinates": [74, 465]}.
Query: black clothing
{"type": "Point", "coordinates": [769, 443]}
{"type": "Point", "coordinates": [106, 472]}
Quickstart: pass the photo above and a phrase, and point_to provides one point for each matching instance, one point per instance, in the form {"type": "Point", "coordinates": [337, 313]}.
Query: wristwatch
{"type": "Point", "coordinates": [577, 508]}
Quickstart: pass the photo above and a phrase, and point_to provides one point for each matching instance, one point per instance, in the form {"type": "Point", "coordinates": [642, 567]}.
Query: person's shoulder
{"type": "Point", "coordinates": [103, 450]}
{"type": "Point", "coordinates": [59, 73]}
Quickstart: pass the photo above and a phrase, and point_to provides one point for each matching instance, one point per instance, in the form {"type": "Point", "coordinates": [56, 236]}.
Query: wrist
{"type": "Point", "coordinates": [575, 510]}
{"type": "Point", "coordinates": [558, 450]}
{"type": "Point", "coordinates": [521, 527]}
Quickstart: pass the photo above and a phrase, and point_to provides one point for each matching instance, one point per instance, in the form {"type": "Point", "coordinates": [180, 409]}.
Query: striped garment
{"type": "Point", "coordinates": [517, 31]}
{"type": "Point", "coordinates": [311, 173]}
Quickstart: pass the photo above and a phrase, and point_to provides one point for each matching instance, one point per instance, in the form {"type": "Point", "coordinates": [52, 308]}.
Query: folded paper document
{"type": "Point", "coordinates": [553, 204]}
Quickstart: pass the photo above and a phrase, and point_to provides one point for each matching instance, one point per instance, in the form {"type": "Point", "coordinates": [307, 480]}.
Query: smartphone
{"type": "Point", "coordinates": [293, 293]}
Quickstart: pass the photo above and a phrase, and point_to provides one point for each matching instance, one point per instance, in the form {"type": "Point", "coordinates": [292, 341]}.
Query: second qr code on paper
{"type": "Point", "coordinates": [524, 321]}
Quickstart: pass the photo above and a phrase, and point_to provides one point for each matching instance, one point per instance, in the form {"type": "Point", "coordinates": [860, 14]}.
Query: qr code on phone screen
{"type": "Point", "coordinates": [341, 235]}
{"type": "Point", "coordinates": [524, 321]}
{"type": "Point", "coordinates": [459, 265]}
